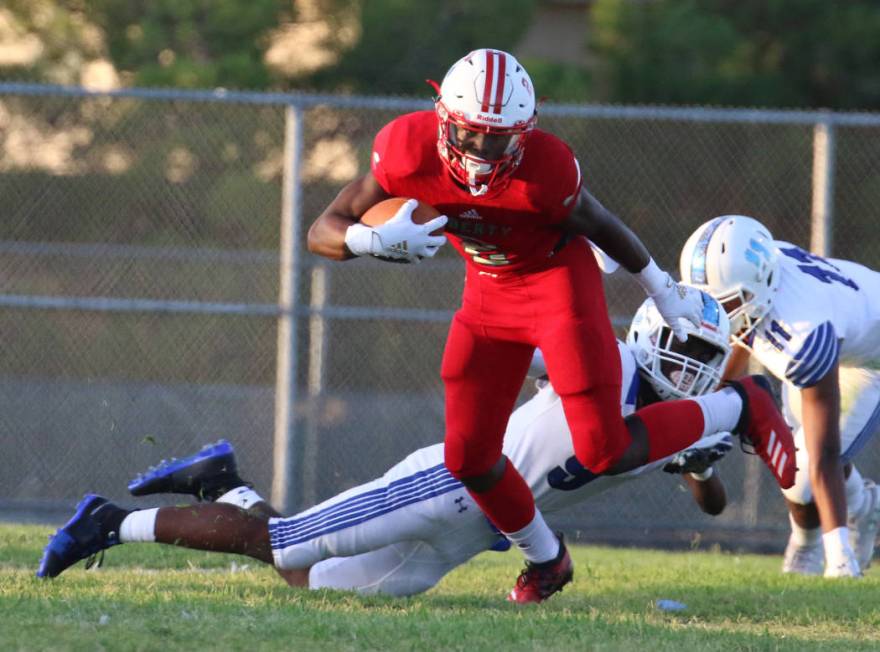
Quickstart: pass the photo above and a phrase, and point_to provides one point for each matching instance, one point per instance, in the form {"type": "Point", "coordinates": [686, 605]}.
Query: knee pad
{"type": "Point", "coordinates": [801, 492]}
{"type": "Point", "coordinates": [598, 432]}
{"type": "Point", "coordinates": [467, 461]}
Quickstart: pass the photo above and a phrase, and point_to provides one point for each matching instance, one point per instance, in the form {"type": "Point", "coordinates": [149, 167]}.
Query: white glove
{"type": "Point", "coordinates": [674, 301]}
{"type": "Point", "coordinates": [399, 238]}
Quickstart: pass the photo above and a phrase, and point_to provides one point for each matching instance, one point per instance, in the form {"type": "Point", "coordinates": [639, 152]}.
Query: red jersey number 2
{"type": "Point", "coordinates": [484, 253]}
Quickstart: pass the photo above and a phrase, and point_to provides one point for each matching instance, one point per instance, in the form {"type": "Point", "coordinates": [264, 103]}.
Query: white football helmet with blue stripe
{"type": "Point", "coordinates": [734, 258]}
{"type": "Point", "coordinates": [680, 369]}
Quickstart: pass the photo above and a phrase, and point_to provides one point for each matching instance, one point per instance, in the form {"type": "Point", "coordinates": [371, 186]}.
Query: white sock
{"type": "Point", "coordinates": [721, 410]}
{"type": "Point", "coordinates": [837, 548]}
{"type": "Point", "coordinates": [855, 494]}
{"type": "Point", "coordinates": [243, 497]}
{"type": "Point", "coordinates": [803, 536]}
{"type": "Point", "coordinates": [536, 541]}
{"type": "Point", "coordinates": [139, 526]}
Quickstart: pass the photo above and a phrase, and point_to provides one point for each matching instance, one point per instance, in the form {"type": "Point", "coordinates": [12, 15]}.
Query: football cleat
{"type": "Point", "coordinates": [80, 538]}
{"type": "Point", "coordinates": [863, 528]}
{"type": "Point", "coordinates": [848, 567]}
{"type": "Point", "coordinates": [762, 429]}
{"type": "Point", "coordinates": [537, 582]}
{"type": "Point", "coordinates": [207, 475]}
{"type": "Point", "coordinates": [804, 560]}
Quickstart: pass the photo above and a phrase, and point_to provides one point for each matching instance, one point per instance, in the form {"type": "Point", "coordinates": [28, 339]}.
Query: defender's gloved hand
{"type": "Point", "coordinates": [697, 460]}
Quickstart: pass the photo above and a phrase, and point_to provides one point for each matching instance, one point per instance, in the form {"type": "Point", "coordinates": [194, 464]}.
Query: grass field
{"type": "Point", "coordinates": [151, 597]}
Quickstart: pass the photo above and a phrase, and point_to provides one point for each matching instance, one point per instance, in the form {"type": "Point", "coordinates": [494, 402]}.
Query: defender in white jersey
{"type": "Point", "coordinates": [814, 323]}
{"type": "Point", "coordinates": [401, 533]}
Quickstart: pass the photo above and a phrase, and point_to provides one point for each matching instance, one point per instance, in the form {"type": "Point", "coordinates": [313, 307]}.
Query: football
{"type": "Point", "coordinates": [385, 210]}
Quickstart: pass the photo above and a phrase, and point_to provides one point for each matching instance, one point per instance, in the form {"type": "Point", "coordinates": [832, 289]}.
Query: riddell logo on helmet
{"type": "Point", "coordinates": [489, 118]}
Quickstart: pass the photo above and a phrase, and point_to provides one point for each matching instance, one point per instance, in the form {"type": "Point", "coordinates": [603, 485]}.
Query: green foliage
{"type": "Point", "coordinates": [150, 597]}
{"type": "Point", "coordinates": [559, 82]}
{"type": "Point", "coordinates": [189, 43]}
{"type": "Point", "coordinates": [774, 53]}
{"type": "Point", "coordinates": [403, 42]}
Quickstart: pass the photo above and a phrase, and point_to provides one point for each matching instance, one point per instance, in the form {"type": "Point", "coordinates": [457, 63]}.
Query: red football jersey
{"type": "Point", "coordinates": [503, 231]}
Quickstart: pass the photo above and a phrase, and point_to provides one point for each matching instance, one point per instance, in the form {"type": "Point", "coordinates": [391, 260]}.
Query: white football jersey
{"type": "Point", "coordinates": [825, 311]}
{"type": "Point", "coordinates": [538, 443]}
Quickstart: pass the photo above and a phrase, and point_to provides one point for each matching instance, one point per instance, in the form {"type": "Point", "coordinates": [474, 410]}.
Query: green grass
{"type": "Point", "coordinates": [151, 597]}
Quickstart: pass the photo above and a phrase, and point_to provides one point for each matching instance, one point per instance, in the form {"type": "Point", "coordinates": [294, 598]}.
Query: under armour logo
{"type": "Point", "coordinates": [460, 502]}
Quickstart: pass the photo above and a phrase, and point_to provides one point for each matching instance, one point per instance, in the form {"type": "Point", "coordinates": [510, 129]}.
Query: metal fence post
{"type": "Point", "coordinates": [283, 493]}
{"type": "Point", "coordinates": [319, 334]}
{"type": "Point", "coordinates": [822, 217]}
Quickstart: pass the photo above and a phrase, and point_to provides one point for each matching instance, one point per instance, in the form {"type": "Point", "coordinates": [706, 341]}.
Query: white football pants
{"type": "Point", "coordinates": [397, 535]}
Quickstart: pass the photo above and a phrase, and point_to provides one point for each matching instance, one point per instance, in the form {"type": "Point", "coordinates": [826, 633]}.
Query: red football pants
{"type": "Point", "coordinates": [559, 308]}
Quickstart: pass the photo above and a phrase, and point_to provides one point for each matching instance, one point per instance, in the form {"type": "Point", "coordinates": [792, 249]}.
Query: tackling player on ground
{"type": "Point", "coordinates": [401, 533]}
{"type": "Point", "coordinates": [814, 323]}
{"type": "Point", "coordinates": [520, 215]}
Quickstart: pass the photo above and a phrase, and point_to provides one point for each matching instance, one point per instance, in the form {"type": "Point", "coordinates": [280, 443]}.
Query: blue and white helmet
{"type": "Point", "coordinates": [734, 259]}
{"type": "Point", "coordinates": [681, 369]}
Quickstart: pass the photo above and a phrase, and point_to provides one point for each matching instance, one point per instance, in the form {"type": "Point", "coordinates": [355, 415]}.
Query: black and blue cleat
{"type": "Point", "coordinates": [206, 475]}
{"type": "Point", "coordinates": [84, 536]}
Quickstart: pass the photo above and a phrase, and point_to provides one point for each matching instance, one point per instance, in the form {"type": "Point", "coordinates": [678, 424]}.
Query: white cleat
{"type": "Point", "coordinates": [848, 567]}
{"type": "Point", "coordinates": [863, 529]}
{"type": "Point", "coordinates": [804, 560]}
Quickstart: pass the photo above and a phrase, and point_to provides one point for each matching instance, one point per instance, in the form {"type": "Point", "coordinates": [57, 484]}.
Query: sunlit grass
{"type": "Point", "coordinates": [151, 597]}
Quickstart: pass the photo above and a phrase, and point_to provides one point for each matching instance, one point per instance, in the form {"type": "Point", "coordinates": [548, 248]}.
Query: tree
{"type": "Point", "coordinates": [404, 42]}
{"type": "Point", "coordinates": [190, 43]}
{"type": "Point", "coordinates": [774, 53]}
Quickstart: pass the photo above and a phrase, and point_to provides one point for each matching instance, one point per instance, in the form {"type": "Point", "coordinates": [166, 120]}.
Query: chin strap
{"type": "Point", "coordinates": [476, 189]}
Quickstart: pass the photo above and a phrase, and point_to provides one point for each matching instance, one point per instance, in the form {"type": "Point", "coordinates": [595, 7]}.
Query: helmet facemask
{"type": "Point", "coordinates": [742, 310]}
{"type": "Point", "coordinates": [689, 368]}
{"type": "Point", "coordinates": [486, 94]}
{"type": "Point", "coordinates": [681, 369]}
{"type": "Point", "coordinates": [479, 173]}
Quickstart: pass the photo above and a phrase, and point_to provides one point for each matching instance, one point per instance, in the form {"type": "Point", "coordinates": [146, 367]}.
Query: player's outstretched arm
{"type": "Point", "coordinates": [821, 422]}
{"type": "Point", "coordinates": [709, 493]}
{"type": "Point", "coordinates": [737, 364]}
{"type": "Point", "coordinates": [674, 301]}
{"type": "Point", "coordinates": [697, 466]}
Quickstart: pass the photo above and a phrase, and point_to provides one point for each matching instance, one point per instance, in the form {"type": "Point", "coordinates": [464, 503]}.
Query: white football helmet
{"type": "Point", "coordinates": [734, 259]}
{"type": "Point", "coordinates": [680, 369]}
{"type": "Point", "coordinates": [487, 92]}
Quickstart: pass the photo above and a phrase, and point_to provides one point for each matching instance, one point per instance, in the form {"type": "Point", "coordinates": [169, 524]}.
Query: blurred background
{"type": "Point", "coordinates": [160, 162]}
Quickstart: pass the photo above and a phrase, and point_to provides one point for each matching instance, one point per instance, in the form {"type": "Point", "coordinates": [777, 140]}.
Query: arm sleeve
{"type": "Point", "coordinates": [816, 357]}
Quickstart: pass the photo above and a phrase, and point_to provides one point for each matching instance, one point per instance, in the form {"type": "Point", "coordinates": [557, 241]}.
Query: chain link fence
{"type": "Point", "coordinates": [156, 295]}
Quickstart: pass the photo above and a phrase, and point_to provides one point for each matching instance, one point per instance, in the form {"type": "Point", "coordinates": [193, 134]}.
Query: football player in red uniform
{"type": "Point", "coordinates": [517, 211]}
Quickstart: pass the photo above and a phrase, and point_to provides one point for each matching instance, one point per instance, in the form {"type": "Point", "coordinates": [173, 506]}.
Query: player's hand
{"type": "Point", "coordinates": [402, 239]}
{"type": "Point", "coordinates": [676, 301]}
{"type": "Point", "coordinates": [697, 460]}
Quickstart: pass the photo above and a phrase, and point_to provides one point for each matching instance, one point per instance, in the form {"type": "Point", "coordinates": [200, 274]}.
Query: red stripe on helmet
{"type": "Point", "coordinates": [490, 76]}
{"type": "Point", "coordinates": [499, 91]}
